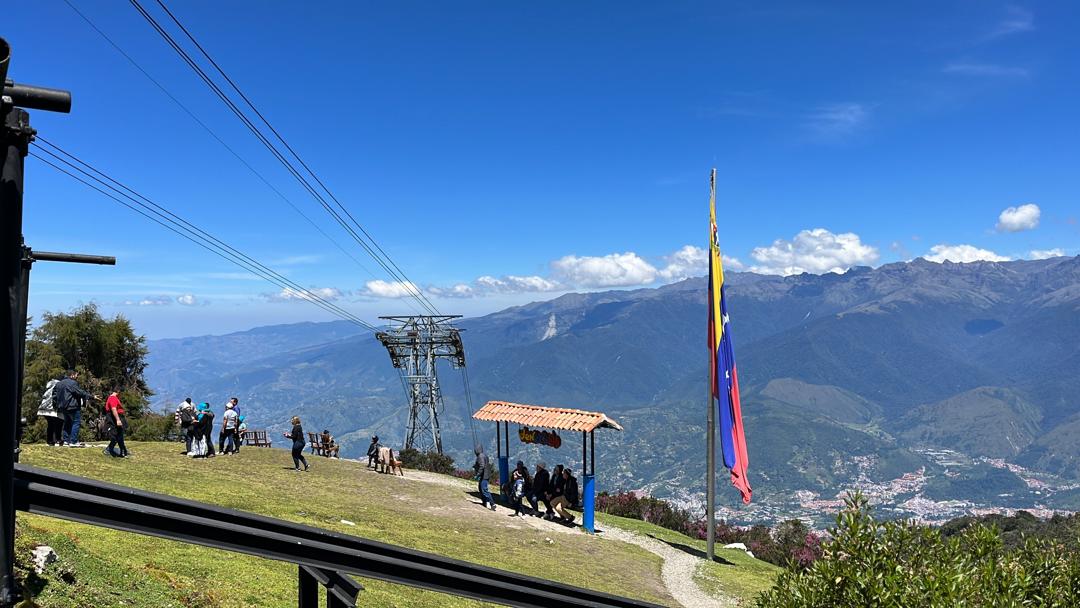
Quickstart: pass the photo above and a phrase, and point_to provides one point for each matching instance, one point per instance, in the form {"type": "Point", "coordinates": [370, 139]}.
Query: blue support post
{"type": "Point", "coordinates": [588, 501]}
{"type": "Point", "coordinates": [504, 476]}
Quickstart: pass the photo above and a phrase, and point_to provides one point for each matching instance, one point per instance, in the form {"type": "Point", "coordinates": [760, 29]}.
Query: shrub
{"type": "Point", "coordinates": [901, 563]}
{"type": "Point", "coordinates": [791, 542]}
{"type": "Point", "coordinates": [427, 461]}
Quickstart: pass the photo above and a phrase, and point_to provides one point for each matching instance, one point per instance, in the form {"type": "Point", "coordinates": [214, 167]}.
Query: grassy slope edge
{"type": "Point", "coordinates": [102, 567]}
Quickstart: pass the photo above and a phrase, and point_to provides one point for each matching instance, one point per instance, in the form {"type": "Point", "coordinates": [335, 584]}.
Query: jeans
{"type": "Point", "coordinates": [227, 441]}
{"type": "Point", "coordinates": [54, 433]}
{"type": "Point", "coordinates": [485, 493]}
{"type": "Point", "coordinates": [536, 498]}
{"type": "Point", "coordinates": [189, 435]}
{"type": "Point", "coordinates": [72, 421]}
{"type": "Point", "coordinates": [298, 454]}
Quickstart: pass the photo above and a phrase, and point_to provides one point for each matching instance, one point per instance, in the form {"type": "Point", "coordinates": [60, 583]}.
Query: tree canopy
{"type": "Point", "coordinates": [107, 353]}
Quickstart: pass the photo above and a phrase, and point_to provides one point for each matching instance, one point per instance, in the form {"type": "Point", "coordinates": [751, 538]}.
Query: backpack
{"type": "Point", "coordinates": [50, 399]}
{"type": "Point", "coordinates": [519, 488]}
{"type": "Point", "coordinates": [186, 417]}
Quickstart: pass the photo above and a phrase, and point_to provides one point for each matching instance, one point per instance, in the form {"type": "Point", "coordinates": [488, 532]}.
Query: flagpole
{"type": "Point", "coordinates": [710, 490]}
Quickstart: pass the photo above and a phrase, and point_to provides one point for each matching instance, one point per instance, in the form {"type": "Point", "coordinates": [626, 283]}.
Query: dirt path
{"type": "Point", "coordinates": [677, 572]}
{"type": "Point", "coordinates": [678, 567]}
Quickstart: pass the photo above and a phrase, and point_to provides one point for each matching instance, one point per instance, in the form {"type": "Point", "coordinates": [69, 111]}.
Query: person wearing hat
{"type": "Point", "coordinates": [373, 452]}
{"type": "Point", "coordinates": [229, 423]}
{"type": "Point", "coordinates": [199, 434]}
{"type": "Point", "coordinates": [234, 404]}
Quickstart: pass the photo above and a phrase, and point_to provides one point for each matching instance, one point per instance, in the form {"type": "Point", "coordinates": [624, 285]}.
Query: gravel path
{"type": "Point", "coordinates": [678, 569]}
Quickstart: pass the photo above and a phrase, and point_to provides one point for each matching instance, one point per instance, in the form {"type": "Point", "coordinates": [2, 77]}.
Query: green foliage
{"type": "Point", "coordinates": [901, 563]}
{"type": "Point", "coordinates": [153, 427]}
{"type": "Point", "coordinates": [106, 352]}
{"type": "Point", "coordinates": [1017, 529]}
{"type": "Point", "coordinates": [427, 461]}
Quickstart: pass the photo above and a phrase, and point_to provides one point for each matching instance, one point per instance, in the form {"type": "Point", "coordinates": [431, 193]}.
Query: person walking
{"type": "Point", "coordinates": [541, 481]}
{"type": "Point", "coordinates": [481, 467]}
{"type": "Point", "coordinates": [298, 442]}
{"type": "Point", "coordinates": [229, 423]}
{"type": "Point", "coordinates": [185, 416]}
{"type": "Point", "coordinates": [568, 498]}
{"type": "Point", "coordinates": [114, 411]}
{"type": "Point", "coordinates": [373, 453]}
{"type": "Point", "coordinates": [54, 419]}
{"type": "Point", "coordinates": [69, 399]}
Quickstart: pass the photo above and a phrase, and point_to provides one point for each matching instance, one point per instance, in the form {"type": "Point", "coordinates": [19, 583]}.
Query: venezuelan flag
{"type": "Point", "coordinates": [725, 380]}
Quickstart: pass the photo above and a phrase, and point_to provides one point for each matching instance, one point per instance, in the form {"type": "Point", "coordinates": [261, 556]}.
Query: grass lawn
{"type": "Point", "coordinates": [102, 568]}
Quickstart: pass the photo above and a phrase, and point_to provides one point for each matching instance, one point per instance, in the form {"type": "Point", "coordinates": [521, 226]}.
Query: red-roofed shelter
{"type": "Point", "coordinates": [555, 418]}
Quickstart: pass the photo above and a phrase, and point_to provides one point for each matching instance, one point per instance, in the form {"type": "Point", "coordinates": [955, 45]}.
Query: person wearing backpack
{"type": "Point", "coordinates": [54, 432]}
{"type": "Point", "coordinates": [69, 398]}
{"type": "Point", "coordinates": [185, 415]}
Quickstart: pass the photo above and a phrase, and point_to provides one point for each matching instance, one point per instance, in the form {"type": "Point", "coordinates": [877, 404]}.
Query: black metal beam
{"type": "Point", "coordinates": [99, 503]}
{"type": "Point", "coordinates": [340, 590]}
{"type": "Point", "coordinates": [77, 258]}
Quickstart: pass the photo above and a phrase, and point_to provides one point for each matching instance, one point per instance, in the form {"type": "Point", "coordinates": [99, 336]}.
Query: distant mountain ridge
{"type": "Point", "coordinates": [982, 358]}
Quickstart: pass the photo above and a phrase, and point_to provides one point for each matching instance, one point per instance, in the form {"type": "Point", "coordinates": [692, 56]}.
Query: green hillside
{"type": "Point", "coordinates": [101, 568]}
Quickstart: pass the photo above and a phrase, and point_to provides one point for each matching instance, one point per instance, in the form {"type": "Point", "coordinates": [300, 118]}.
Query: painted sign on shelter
{"type": "Point", "coordinates": [548, 438]}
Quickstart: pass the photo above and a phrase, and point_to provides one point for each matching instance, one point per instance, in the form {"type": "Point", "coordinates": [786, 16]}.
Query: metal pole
{"type": "Point", "coordinates": [592, 451]}
{"type": "Point", "coordinates": [15, 137]}
{"type": "Point", "coordinates": [710, 490]}
{"type": "Point", "coordinates": [307, 590]}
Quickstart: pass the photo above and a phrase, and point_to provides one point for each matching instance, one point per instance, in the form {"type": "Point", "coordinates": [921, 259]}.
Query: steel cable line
{"type": "Point", "coordinates": [214, 135]}
{"type": "Point", "coordinates": [387, 264]}
{"type": "Point", "coordinates": [280, 138]}
{"type": "Point", "coordinates": [185, 229]}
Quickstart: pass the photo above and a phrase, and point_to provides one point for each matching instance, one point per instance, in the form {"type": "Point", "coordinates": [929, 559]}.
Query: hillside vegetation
{"type": "Point", "coordinates": [99, 567]}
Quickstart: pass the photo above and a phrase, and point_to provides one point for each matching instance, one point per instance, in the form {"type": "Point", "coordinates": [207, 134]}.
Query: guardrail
{"type": "Point", "coordinates": [322, 555]}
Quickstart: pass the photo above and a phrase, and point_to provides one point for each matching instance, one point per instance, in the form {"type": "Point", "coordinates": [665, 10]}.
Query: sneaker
{"type": "Point", "coordinates": [108, 453]}
{"type": "Point", "coordinates": [492, 506]}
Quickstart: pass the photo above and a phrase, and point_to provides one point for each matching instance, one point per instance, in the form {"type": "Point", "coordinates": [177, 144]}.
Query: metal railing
{"type": "Point", "coordinates": [323, 555]}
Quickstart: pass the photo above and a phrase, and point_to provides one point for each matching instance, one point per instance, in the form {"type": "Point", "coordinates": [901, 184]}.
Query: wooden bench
{"type": "Point", "coordinates": [316, 444]}
{"type": "Point", "coordinates": [257, 438]}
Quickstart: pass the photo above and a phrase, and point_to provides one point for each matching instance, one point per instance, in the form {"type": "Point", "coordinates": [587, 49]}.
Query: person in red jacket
{"type": "Point", "coordinates": [114, 411]}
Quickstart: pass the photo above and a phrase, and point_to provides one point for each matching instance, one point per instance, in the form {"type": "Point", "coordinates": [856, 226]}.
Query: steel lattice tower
{"type": "Point", "coordinates": [416, 343]}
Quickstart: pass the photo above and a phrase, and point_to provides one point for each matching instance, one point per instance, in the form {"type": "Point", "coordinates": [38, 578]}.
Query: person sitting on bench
{"type": "Point", "coordinates": [329, 448]}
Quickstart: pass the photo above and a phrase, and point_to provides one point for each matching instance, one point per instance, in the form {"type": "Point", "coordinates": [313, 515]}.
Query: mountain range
{"type": "Point", "coordinates": [861, 379]}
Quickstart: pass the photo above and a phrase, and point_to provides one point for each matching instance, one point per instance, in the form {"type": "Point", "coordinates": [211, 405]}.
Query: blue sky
{"type": "Point", "coordinates": [506, 154]}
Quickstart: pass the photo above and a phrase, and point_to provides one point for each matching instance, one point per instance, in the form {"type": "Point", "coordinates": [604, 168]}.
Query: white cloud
{"type": "Point", "coordinates": [149, 301]}
{"type": "Point", "coordinates": [390, 289]}
{"type": "Point", "coordinates": [816, 251]}
{"type": "Point", "coordinates": [962, 254]}
{"type": "Point", "coordinates": [838, 119]}
{"type": "Point", "coordinates": [311, 294]}
{"type": "Point", "coordinates": [187, 299]}
{"type": "Point", "coordinates": [985, 69]}
{"type": "Point", "coordinates": [460, 290]}
{"type": "Point", "coordinates": [515, 284]}
{"type": "Point", "coordinates": [612, 270]}
{"type": "Point", "coordinates": [692, 261]}
{"type": "Point", "coordinates": [1042, 254]}
{"type": "Point", "coordinates": [1016, 219]}
{"type": "Point", "coordinates": [1019, 20]}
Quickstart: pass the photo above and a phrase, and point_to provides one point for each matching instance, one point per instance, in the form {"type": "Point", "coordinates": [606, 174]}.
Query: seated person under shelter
{"type": "Point", "coordinates": [568, 498]}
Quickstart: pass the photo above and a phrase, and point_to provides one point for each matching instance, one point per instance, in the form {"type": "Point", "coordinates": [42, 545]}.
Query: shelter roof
{"type": "Point", "coordinates": [545, 417]}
